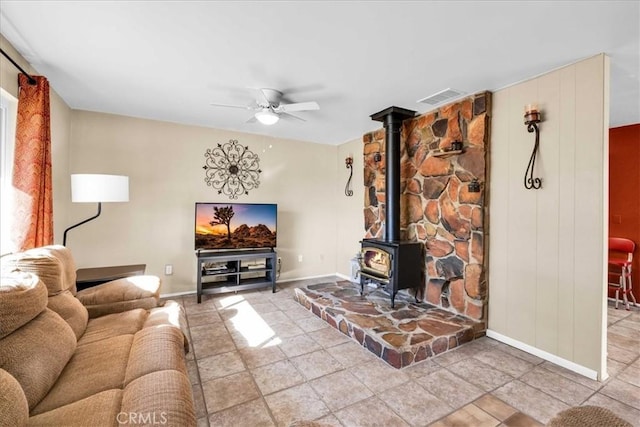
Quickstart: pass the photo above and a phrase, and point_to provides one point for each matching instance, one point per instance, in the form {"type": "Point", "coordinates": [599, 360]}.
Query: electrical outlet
{"type": "Point", "coordinates": [300, 258]}
{"type": "Point", "coordinates": [168, 270]}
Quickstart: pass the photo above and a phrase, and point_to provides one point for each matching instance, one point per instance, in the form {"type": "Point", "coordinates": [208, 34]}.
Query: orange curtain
{"type": "Point", "coordinates": [33, 205]}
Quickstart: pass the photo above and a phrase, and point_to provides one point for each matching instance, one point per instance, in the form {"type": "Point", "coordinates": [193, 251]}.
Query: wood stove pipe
{"type": "Point", "coordinates": [392, 119]}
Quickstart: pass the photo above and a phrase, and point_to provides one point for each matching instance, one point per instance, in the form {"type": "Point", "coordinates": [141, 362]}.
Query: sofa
{"type": "Point", "coordinates": [110, 355]}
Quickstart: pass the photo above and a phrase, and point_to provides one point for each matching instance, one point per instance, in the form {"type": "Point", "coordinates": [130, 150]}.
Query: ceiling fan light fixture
{"type": "Point", "coordinates": [267, 117]}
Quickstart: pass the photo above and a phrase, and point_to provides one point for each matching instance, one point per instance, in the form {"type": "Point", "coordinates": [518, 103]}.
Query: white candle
{"type": "Point", "coordinates": [531, 108]}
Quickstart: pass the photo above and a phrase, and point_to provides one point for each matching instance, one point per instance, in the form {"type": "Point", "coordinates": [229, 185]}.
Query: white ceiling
{"type": "Point", "coordinates": [169, 60]}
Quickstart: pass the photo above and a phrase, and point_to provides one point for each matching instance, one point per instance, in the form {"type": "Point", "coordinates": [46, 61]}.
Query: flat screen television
{"type": "Point", "coordinates": [224, 226]}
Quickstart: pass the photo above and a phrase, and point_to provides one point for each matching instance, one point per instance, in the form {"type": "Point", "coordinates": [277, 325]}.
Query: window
{"type": "Point", "coordinates": [8, 114]}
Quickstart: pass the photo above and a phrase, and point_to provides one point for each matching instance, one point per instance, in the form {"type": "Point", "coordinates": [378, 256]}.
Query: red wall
{"type": "Point", "coordinates": [624, 191]}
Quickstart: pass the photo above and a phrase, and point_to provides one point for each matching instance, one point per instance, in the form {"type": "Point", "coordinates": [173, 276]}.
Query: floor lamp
{"type": "Point", "coordinates": [95, 188]}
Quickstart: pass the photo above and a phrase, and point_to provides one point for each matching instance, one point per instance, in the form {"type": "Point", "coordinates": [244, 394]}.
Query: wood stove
{"type": "Point", "coordinates": [390, 262]}
{"type": "Point", "coordinates": [395, 265]}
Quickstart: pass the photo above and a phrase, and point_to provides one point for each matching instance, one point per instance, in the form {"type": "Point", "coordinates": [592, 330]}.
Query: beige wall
{"type": "Point", "coordinates": [349, 217]}
{"type": "Point", "coordinates": [60, 128]}
{"type": "Point", "coordinates": [164, 162]}
{"type": "Point", "coordinates": [547, 251]}
{"type": "Point", "coordinates": [9, 73]}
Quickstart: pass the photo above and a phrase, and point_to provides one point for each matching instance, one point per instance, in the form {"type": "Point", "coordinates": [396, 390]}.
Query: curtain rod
{"type": "Point", "coordinates": [32, 81]}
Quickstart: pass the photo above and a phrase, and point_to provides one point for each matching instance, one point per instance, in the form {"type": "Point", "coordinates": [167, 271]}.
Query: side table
{"type": "Point", "coordinates": [88, 277]}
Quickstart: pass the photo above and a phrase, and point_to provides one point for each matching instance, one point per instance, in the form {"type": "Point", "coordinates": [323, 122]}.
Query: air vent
{"type": "Point", "coordinates": [442, 96]}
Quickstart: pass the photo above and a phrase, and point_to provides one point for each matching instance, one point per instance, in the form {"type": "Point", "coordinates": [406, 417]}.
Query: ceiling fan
{"type": "Point", "coordinates": [269, 107]}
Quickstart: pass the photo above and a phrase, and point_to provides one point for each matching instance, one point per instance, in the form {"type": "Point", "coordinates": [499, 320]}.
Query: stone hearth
{"type": "Point", "coordinates": [410, 333]}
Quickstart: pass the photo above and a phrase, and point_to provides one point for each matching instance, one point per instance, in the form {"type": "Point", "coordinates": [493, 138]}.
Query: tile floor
{"type": "Point", "coordinates": [260, 359]}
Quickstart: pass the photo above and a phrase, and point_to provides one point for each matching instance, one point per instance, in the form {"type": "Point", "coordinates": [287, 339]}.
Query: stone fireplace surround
{"type": "Point", "coordinates": [436, 207]}
{"type": "Point", "coordinates": [438, 210]}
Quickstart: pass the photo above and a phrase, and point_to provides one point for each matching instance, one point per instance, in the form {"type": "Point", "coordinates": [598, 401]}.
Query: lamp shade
{"type": "Point", "coordinates": [267, 117]}
{"type": "Point", "coordinates": [95, 188]}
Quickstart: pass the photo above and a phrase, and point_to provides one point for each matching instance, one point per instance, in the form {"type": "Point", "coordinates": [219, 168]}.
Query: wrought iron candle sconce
{"type": "Point", "coordinates": [347, 188]}
{"type": "Point", "coordinates": [531, 118]}
{"type": "Point", "coordinates": [232, 169]}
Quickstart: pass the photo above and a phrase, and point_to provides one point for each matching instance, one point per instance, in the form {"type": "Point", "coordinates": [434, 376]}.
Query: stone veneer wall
{"type": "Point", "coordinates": [436, 207]}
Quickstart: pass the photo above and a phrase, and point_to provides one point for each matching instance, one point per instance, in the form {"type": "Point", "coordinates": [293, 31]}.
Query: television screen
{"type": "Point", "coordinates": [235, 226]}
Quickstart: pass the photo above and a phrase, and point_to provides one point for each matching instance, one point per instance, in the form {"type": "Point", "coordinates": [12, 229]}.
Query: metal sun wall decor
{"type": "Point", "coordinates": [232, 169]}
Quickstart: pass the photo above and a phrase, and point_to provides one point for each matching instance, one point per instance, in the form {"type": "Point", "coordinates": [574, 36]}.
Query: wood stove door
{"type": "Point", "coordinates": [376, 262]}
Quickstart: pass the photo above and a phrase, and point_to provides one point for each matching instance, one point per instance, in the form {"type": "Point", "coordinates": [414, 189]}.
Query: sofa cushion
{"type": "Point", "coordinates": [155, 349]}
{"type": "Point", "coordinates": [112, 325]}
{"type": "Point", "coordinates": [14, 409]}
{"type": "Point", "coordinates": [166, 395]}
{"type": "Point", "coordinates": [53, 264]}
{"type": "Point", "coordinates": [121, 294]}
{"type": "Point", "coordinates": [100, 409]}
{"type": "Point", "coordinates": [22, 297]}
{"type": "Point", "coordinates": [36, 354]}
{"type": "Point", "coordinates": [117, 307]}
{"type": "Point", "coordinates": [71, 310]}
{"type": "Point", "coordinates": [95, 367]}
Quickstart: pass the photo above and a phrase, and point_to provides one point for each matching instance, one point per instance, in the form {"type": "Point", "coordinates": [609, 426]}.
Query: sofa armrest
{"type": "Point", "coordinates": [170, 314]}
{"type": "Point", "coordinates": [121, 295]}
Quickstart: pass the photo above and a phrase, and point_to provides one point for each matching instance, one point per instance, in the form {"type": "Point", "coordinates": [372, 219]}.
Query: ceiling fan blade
{"type": "Point", "coordinates": [244, 107]}
{"type": "Point", "coordinates": [299, 106]}
{"type": "Point", "coordinates": [288, 116]}
{"type": "Point", "coordinates": [251, 119]}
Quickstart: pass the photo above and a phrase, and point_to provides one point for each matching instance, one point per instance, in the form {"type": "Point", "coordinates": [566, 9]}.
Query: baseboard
{"type": "Point", "coordinates": [305, 278]}
{"type": "Point", "coordinates": [177, 294]}
{"type": "Point", "coordinates": [342, 276]}
{"type": "Point", "coordinates": [572, 366]}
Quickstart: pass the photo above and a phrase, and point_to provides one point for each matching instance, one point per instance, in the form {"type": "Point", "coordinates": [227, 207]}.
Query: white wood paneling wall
{"type": "Point", "coordinates": [547, 254]}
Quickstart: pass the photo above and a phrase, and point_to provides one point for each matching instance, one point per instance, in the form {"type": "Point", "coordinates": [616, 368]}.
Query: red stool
{"type": "Point", "coordinates": [620, 258]}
